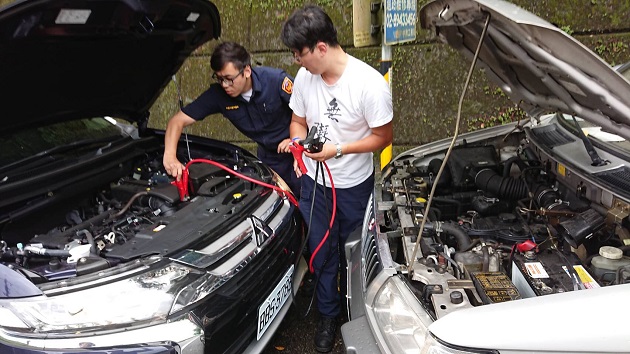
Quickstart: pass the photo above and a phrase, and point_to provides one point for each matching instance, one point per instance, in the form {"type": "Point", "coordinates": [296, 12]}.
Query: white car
{"type": "Point", "coordinates": [511, 239]}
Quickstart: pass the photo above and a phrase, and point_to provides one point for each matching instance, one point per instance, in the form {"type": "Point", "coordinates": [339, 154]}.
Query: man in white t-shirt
{"type": "Point", "coordinates": [350, 104]}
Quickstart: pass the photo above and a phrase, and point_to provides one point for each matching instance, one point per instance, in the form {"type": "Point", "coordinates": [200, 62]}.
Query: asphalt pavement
{"type": "Point", "coordinates": [295, 334]}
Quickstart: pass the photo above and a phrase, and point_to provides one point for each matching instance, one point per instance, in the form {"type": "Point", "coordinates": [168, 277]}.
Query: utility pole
{"type": "Point", "coordinates": [387, 22]}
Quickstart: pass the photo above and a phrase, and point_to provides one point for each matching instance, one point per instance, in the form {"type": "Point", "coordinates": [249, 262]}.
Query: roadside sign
{"type": "Point", "coordinates": [400, 21]}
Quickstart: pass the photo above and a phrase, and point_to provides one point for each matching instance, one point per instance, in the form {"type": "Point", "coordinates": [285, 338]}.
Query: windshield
{"type": "Point", "coordinates": [598, 137]}
{"type": "Point", "coordinates": [19, 145]}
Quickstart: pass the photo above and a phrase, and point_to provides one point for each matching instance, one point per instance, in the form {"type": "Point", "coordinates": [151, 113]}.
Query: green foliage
{"type": "Point", "coordinates": [325, 3]}
{"type": "Point", "coordinates": [610, 49]}
{"type": "Point", "coordinates": [567, 29]}
{"type": "Point", "coordinates": [496, 92]}
{"type": "Point", "coordinates": [266, 5]}
{"type": "Point", "coordinates": [504, 116]}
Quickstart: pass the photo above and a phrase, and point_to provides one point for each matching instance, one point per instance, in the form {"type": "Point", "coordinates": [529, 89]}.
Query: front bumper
{"type": "Point", "coordinates": [184, 337]}
{"type": "Point", "coordinates": [358, 337]}
{"type": "Point", "coordinates": [177, 337]}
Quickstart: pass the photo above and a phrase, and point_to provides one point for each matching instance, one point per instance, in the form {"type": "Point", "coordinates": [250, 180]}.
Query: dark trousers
{"type": "Point", "coordinates": [351, 205]}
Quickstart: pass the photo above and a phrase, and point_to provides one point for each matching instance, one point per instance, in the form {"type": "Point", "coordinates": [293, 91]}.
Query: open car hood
{"type": "Point", "coordinates": [536, 64]}
{"type": "Point", "coordinates": [66, 59]}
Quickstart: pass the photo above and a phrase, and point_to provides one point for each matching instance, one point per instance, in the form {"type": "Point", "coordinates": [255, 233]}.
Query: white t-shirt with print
{"type": "Point", "coordinates": [347, 110]}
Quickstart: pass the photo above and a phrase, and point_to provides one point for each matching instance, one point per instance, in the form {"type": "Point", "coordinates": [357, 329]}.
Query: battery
{"type": "Point", "coordinates": [550, 272]}
{"type": "Point", "coordinates": [494, 287]}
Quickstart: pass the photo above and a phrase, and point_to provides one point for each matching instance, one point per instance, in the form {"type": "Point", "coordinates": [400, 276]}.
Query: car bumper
{"type": "Point", "coordinates": [358, 338]}
{"type": "Point", "coordinates": [357, 334]}
{"type": "Point", "coordinates": [182, 337]}
{"type": "Point", "coordinates": [367, 270]}
{"type": "Point", "coordinates": [177, 337]}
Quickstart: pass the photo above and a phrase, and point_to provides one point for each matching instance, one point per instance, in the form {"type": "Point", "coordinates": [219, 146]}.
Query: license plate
{"type": "Point", "coordinates": [269, 309]}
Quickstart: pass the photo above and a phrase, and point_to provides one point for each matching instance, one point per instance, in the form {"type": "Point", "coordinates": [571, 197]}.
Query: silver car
{"type": "Point", "coordinates": [511, 239]}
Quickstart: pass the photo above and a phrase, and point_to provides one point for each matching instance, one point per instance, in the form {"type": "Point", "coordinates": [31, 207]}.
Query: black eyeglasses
{"type": "Point", "coordinates": [228, 81]}
{"type": "Point", "coordinates": [298, 55]}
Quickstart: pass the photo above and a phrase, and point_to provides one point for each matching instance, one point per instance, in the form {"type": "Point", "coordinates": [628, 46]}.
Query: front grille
{"type": "Point", "coordinates": [369, 251]}
{"type": "Point", "coordinates": [372, 263]}
{"type": "Point", "coordinates": [231, 314]}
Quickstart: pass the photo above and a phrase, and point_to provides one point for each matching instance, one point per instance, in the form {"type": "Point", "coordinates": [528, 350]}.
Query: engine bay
{"type": "Point", "coordinates": [508, 220]}
{"type": "Point", "coordinates": [127, 210]}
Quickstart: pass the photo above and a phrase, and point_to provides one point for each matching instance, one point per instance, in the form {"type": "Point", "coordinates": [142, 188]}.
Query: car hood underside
{"type": "Point", "coordinates": [68, 59]}
{"type": "Point", "coordinates": [536, 64]}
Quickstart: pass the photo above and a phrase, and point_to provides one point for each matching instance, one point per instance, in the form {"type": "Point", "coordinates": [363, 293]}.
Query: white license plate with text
{"type": "Point", "coordinates": [269, 309]}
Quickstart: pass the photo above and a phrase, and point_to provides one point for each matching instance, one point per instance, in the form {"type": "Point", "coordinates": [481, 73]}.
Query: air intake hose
{"type": "Point", "coordinates": [506, 187]}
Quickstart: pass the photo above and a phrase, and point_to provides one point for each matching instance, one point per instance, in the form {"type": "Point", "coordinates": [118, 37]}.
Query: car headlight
{"type": "Point", "coordinates": [403, 323]}
{"type": "Point", "coordinates": [147, 295]}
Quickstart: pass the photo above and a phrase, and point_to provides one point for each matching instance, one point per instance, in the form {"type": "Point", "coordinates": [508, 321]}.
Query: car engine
{"type": "Point", "coordinates": [124, 210]}
{"type": "Point", "coordinates": [509, 219]}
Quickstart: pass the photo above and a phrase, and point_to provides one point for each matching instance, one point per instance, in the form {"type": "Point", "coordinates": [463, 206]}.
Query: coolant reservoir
{"type": "Point", "coordinates": [609, 260]}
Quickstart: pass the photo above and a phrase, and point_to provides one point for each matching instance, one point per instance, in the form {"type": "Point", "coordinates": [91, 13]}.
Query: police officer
{"type": "Point", "coordinates": [255, 100]}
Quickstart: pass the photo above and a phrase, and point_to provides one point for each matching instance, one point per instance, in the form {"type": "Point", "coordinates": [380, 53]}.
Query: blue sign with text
{"type": "Point", "coordinates": [400, 21]}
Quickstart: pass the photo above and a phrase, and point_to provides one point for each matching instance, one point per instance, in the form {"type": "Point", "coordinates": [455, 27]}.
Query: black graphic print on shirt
{"type": "Point", "coordinates": [333, 111]}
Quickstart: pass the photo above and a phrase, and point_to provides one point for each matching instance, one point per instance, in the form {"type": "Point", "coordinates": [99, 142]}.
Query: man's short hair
{"type": "Point", "coordinates": [229, 52]}
{"type": "Point", "coordinates": [306, 27]}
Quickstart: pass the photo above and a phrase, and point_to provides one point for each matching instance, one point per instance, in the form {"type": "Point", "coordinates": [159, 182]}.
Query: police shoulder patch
{"type": "Point", "coordinates": [287, 85]}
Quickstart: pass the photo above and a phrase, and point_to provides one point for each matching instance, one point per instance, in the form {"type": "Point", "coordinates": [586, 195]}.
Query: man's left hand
{"type": "Point", "coordinates": [328, 150]}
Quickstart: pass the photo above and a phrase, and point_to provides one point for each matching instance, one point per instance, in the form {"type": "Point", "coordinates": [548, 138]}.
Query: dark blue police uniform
{"type": "Point", "coordinates": [265, 118]}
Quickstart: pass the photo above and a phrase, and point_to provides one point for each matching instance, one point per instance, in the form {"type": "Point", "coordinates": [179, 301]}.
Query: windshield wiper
{"type": "Point", "coordinates": [590, 150]}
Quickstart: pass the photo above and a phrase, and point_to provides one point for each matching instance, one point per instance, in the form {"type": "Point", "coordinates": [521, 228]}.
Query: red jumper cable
{"type": "Point", "coordinates": [182, 183]}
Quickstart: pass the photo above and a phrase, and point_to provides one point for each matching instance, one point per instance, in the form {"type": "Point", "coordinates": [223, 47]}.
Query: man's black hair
{"type": "Point", "coordinates": [306, 27]}
{"type": "Point", "coordinates": [229, 52]}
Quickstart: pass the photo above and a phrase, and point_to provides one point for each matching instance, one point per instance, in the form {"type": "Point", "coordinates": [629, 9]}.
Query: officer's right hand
{"type": "Point", "coordinates": [173, 167]}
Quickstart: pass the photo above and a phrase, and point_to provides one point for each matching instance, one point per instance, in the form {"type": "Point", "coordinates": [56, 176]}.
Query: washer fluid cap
{"type": "Point", "coordinates": [610, 252]}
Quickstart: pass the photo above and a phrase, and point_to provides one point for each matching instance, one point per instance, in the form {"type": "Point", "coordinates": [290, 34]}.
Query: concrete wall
{"type": "Point", "coordinates": [427, 76]}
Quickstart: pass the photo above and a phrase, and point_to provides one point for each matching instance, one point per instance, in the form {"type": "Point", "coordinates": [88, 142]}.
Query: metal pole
{"type": "Point", "coordinates": [386, 71]}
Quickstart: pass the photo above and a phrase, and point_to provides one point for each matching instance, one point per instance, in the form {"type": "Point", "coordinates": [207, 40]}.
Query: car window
{"type": "Point", "coordinates": [24, 143]}
{"type": "Point", "coordinates": [594, 132]}
{"type": "Point", "coordinates": [598, 136]}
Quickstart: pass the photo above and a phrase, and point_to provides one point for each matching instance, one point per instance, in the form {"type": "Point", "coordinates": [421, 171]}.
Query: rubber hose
{"type": "Point", "coordinates": [47, 252]}
{"type": "Point", "coordinates": [90, 239]}
{"type": "Point", "coordinates": [461, 237]}
{"type": "Point", "coordinates": [507, 187]}
{"type": "Point", "coordinates": [507, 167]}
